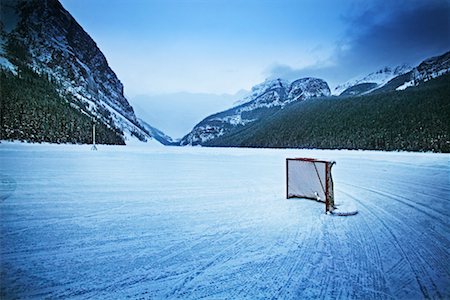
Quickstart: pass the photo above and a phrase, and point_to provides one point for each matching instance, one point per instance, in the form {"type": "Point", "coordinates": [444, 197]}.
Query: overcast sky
{"type": "Point", "coordinates": [223, 46]}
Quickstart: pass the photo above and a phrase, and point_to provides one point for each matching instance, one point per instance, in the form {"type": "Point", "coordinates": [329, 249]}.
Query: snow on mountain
{"type": "Point", "coordinates": [56, 45]}
{"type": "Point", "coordinates": [377, 79]}
{"type": "Point", "coordinates": [428, 69]}
{"type": "Point", "coordinates": [177, 113]}
{"type": "Point", "coordinates": [157, 134]}
{"type": "Point", "coordinates": [8, 22]}
{"type": "Point", "coordinates": [263, 87]}
{"type": "Point", "coordinates": [432, 67]}
{"type": "Point", "coordinates": [264, 100]}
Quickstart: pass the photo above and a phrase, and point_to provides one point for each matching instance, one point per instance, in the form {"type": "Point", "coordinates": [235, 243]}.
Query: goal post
{"type": "Point", "coordinates": [311, 179]}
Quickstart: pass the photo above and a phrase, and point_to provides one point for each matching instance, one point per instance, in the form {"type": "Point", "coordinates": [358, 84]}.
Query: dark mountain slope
{"type": "Point", "coordinates": [31, 110]}
{"type": "Point", "coordinates": [41, 37]}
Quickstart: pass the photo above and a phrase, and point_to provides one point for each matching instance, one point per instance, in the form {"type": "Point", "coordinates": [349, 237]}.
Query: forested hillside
{"type": "Point", "coordinates": [32, 110]}
{"type": "Point", "coordinates": [416, 119]}
{"type": "Point", "coordinates": [56, 81]}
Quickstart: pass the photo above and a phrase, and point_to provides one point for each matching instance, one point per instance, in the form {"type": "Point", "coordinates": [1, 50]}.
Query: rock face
{"type": "Point", "coordinates": [265, 99]}
{"type": "Point", "coordinates": [42, 35]}
{"type": "Point", "coordinates": [431, 68]}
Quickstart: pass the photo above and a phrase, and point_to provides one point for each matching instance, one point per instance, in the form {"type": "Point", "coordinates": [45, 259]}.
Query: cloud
{"type": "Point", "coordinates": [287, 72]}
{"type": "Point", "coordinates": [378, 34]}
{"type": "Point", "coordinates": [393, 32]}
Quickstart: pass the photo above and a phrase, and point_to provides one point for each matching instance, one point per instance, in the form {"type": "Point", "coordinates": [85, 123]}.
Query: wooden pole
{"type": "Point", "coordinates": [93, 138]}
{"type": "Point", "coordinates": [327, 196]}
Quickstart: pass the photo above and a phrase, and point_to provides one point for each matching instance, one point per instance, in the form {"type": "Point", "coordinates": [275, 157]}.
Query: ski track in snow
{"type": "Point", "coordinates": [196, 223]}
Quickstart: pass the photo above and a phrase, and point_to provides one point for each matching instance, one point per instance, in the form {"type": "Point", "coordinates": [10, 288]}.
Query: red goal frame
{"type": "Point", "coordinates": [329, 194]}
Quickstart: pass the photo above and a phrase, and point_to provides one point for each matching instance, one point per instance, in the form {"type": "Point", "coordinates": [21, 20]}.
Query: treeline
{"type": "Point", "coordinates": [32, 110]}
{"type": "Point", "coordinates": [416, 119]}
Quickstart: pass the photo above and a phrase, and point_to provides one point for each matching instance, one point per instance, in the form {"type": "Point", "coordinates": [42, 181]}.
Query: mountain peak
{"type": "Point", "coordinates": [265, 99]}
{"type": "Point", "coordinates": [376, 79]}
{"type": "Point", "coordinates": [261, 88]}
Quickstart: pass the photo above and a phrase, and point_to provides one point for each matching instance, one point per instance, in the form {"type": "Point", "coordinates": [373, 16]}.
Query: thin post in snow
{"type": "Point", "coordinates": [93, 138]}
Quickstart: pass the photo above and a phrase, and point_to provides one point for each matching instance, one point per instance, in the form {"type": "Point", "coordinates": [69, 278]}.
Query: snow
{"type": "Point", "coordinates": [269, 94]}
{"type": "Point", "coordinates": [176, 114]}
{"type": "Point", "coordinates": [259, 89]}
{"type": "Point", "coordinates": [131, 140]}
{"type": "Point", "coordinates": [406, 85]}
{"type": "Point", "coordinates": [191, 222]}
{"type": "Point", "coordinates": [380, 77]}
{"type": "Point", "coordinates": [7, 65]}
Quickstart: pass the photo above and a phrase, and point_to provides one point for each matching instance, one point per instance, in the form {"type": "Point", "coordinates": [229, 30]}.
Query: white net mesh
{"type": "Point", "coordinates": [307, 178]}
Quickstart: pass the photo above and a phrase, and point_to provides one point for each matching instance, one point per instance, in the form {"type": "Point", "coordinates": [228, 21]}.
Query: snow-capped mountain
{"type": "Point", "coordinates": [398, 78]}
{"type": "Point", "coordinates": [428, 69]}
{"type": "Point", "coordinates": [264, 100]}
{"type": "Point", "coordinates": [366, 84]}
{"type": "Point", "coordinates": [49, 40]}
{"type": "Point", "coordinates": [177, 113]}
{"type": "Point", "coordinates": [261, 88]}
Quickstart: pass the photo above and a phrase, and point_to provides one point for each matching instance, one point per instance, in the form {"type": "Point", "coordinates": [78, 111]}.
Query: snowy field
{"type": "Point", "coordinates": [155, 222]}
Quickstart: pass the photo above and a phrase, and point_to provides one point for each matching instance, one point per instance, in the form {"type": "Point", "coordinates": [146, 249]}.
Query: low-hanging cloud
{"type": "Point", "coordinates": [385, 33]}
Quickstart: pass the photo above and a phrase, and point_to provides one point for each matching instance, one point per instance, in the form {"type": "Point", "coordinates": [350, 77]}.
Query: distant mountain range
{"type": "Point", "coordinates": [414, 119]}
{"type": "Point", "coordinates": [56, 83]}
{"type": "Point", "coordinates": [157, 134]}
{"type": "Point", "coordinates": [398, 78]}
{"type": "Point", "coordinates": [265, 100]}
{"type": "Point", "coordinates": [177, 113]}
{"type": "Point", "coordinates": [235, 126]}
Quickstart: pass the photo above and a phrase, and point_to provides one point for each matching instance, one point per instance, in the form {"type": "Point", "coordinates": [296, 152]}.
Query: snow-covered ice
{"type": "Point", "coordinates": [166, 222]}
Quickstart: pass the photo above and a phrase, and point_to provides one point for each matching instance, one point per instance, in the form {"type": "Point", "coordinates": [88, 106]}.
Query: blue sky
{"type": "Point", "coordinates": [218, 46]}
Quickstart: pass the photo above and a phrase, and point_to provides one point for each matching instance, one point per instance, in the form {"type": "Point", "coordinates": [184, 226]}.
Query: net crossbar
{"type": "Point", "coordinates": [311, 179]}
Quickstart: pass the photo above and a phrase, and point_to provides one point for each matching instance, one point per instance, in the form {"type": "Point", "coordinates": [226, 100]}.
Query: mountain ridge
{"type": "Point", "coordinates": [48, 40]}
{"type": "Point", "coordinates": [232, 128]}
{"type": "Point", "coordinates": [376, 80]}
{"type": "Point", "coordinates": [265, 99]}
{"type": "Point", "coordinates": [415, 119]}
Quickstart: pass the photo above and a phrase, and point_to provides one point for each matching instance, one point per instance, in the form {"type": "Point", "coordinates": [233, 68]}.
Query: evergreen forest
{"type": "Point", "coordinates": [32, 109]}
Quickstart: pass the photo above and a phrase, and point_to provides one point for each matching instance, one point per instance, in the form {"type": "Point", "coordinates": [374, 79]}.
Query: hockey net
{"type": "Point", "coordinates": [311, 179]}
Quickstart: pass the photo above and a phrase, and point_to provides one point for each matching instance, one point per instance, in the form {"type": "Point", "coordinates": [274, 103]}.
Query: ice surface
{"type": "Point", "coordinates": [168, 222]}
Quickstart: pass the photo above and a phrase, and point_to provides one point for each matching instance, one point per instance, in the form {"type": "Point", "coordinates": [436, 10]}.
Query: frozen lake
{"type": "Point", "coordinates": [155, 222]}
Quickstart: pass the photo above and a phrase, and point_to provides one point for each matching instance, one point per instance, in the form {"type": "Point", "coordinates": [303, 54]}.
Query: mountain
{"type": "Point", "coordinates": [428, 69]}
{"type": "Point", "coordinates": [265, 99]}
{"type": "Point", "coordinates": [157, 134]}
{"type": "Point", "coordinates": [415, 119]}
{"type": "Point", "coordinates": [177, 113]}
{"type": "Point", "coordinates": [410, 112]}
{"type": "Point", "coordinates": [40, 38]}
{"type": "Point", "coordinates": [366, 84]}
{"type": "Point", "coordinates": [399, 78]}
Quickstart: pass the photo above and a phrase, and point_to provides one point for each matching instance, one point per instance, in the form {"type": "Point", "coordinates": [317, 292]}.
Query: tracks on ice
{"type": "Point", "coordinates": [415, 251]}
